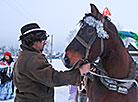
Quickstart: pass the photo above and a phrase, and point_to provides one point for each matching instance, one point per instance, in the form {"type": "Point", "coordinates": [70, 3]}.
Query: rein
{"type": "Point", "coordinates": [82, 61]}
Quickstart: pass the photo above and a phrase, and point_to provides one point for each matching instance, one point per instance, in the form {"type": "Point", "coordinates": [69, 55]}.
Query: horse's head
{"type": "Point", "coordinates": [98, 37]}
{"type": "Point", "coordinates": [89, 41]}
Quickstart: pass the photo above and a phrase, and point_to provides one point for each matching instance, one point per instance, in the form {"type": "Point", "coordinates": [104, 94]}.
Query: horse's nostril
{"type": "Point", "coordinates": [66, 60]}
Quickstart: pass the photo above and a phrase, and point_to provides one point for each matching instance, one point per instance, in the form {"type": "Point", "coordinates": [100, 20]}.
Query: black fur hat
{"type": "Point", "coordinates": [28, 28]}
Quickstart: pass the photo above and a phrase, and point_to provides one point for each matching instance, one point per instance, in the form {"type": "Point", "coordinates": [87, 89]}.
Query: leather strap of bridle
{"type": "Point", "coordinates": [87, 45]}
{"type": "Point", "coordinates": [102, 46]}
{"type": "Point", "coordinates": [83, 42]}
{"type": "Point", "coordinates": [91, 41]}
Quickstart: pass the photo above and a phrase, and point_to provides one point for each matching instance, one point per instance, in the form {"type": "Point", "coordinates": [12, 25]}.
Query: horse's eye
{"type": "Point", "coordinates": [91, 30]}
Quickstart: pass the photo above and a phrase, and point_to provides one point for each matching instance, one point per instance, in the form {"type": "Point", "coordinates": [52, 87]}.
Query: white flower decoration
{"type": "Point", "coordinates": [98, 25]}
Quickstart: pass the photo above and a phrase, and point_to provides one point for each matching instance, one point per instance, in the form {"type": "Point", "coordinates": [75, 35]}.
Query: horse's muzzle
{"type": "Point", "coordinates": [66, 61]}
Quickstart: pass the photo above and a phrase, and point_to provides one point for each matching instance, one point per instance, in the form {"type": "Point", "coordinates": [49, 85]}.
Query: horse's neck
{"type": "Point", "coordinates": [116, 62]}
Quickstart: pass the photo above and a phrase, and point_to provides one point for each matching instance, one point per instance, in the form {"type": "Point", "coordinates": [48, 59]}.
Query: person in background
{"type": "Point", "coordinates": [34, 77]}
{"type": "Point", "coordinates": [73, 93]}
{"type": "Point", "coordinates": [7, 59]}
{"type": "Point", "coordinates": [6, 71]}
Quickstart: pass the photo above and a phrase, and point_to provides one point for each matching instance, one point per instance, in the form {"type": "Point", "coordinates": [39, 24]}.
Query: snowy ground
{"type": "Point", "coordinates": [61, 93]}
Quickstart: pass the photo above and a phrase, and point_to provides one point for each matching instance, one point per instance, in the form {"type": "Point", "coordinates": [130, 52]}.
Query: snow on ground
{"type": "Point", "coordinates": [61, 93]}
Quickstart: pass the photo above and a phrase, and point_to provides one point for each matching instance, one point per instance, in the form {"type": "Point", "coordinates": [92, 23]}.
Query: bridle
{"type": "Point", "coordinates": [90, 43]}
{"type": "Point", "coordinates": [110, 83]}
{"type": "Point", "coordinates": [118, 85]}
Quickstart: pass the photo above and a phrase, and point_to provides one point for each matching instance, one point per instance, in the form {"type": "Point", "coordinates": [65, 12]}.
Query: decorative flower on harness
{"type": "Point", "coordinates": [98, 25]}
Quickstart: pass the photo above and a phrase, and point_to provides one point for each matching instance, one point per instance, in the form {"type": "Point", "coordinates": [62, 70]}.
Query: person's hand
{"type": "Point", "coordinates": [85, 68]}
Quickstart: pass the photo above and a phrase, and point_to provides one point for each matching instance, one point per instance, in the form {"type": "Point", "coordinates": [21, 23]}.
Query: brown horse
{"type": "Point", "coordinates": [98, 37]}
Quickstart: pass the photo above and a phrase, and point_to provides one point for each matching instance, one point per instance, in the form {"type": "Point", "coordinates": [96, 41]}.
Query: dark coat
{"type": "Point", "coordinates": [35, 78]}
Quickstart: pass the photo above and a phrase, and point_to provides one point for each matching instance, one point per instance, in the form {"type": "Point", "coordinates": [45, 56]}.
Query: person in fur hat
{"type": "Point", "coordinates": [34, 77]}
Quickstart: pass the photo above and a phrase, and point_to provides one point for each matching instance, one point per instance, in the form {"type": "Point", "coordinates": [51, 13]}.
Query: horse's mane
{"type": "Point", "coordinates": [82, 22]}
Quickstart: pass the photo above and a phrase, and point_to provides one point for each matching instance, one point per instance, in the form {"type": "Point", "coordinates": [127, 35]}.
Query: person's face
{"type": "Point", "coordinates": [39, 45]}
{"type": "Point", "coordinates": [7, 57]}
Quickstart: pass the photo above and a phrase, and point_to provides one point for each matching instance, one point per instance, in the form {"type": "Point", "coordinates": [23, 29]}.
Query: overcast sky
{"type": "Point", "coordinates": [59, 17]}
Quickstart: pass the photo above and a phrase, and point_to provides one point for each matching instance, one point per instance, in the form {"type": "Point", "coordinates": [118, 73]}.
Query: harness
{"type": "Point", "coordinates": [118, 85]}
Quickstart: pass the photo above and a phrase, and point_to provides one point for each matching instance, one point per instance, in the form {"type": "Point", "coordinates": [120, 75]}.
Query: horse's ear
{"type": "Point", "coordinates": [95, 12]}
